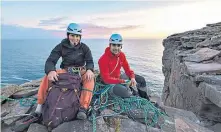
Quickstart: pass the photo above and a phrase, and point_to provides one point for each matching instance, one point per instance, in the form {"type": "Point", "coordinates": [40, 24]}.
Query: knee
{"type": "Point", "coordinates": [121, 91]}
{"type": "Point", "coordinates": [141, 81]}
{"type": "Point", "coordinates": [88, 84]}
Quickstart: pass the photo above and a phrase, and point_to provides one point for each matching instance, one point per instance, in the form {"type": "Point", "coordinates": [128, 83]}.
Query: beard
{"type": "Point", "coordinates": [116, 51]}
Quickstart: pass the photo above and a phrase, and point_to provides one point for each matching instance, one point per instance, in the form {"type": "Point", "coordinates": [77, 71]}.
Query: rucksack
{"type": "Point", "coordinates": [62, 101]}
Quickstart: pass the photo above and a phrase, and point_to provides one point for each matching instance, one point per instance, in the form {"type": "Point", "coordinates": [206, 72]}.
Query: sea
{"type": "Point", "coordinates": [23, 60]}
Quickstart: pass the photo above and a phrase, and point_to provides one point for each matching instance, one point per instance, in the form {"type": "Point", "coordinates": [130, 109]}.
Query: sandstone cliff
{"type": "Point", "coordinates": [192, 69]}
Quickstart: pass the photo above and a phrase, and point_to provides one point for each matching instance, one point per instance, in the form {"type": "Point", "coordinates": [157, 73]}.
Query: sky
{"type": "Point", "coordinates": [99, 19]}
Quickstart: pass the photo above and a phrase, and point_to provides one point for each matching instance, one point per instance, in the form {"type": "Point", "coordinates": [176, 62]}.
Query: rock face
{"type": "Point", "coordinates": [202, 55]}
{"type": "Point", "coordinates": [192, 70]}
{"type": "Point", "coordinates": [183, 125]}
{"type": "Point", "coordinates": [12, 107]}
{"type": "Point", "coordinates": [123, 123]}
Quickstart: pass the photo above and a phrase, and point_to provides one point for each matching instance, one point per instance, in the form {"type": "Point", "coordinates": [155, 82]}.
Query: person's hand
{"type": "Point", "coordinates": [53, 76]}
{"type": "Point", "coordinates": [89, 75]}
{"type": "Point", "coordinates": [126, 83]}
{"type": "Point", "coordinates": [133, 82]}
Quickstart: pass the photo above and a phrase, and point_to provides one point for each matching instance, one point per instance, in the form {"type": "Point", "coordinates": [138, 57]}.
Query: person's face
{"type": "Point", "coordinates": [115, 48]}
{"type": "Point", "coordinates": [74, 39]}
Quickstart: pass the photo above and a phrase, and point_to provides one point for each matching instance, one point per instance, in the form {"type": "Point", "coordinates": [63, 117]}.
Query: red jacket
{"type": "Point", "coordinates": [107, 63]}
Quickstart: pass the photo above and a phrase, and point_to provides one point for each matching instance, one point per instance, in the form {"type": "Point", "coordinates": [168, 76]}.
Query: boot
{"type": "Point", "coordinates": [81, 115]}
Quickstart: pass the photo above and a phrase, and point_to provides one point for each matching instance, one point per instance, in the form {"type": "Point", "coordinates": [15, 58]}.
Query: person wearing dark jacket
{"type": "Point", "coordinates": [75, 54]}
{"type": "Point", "coordinates": [110, 64]}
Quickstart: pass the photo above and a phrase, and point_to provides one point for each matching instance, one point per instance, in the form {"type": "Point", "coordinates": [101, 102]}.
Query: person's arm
{"type": "Point", "coordinates": [88, 59]}
{"type": "Point", "coordinates": [53, 59]}
{"type": "Point", "coordinates": [128, 71]}
{"type": "Point", "coordinates": [104, 72]}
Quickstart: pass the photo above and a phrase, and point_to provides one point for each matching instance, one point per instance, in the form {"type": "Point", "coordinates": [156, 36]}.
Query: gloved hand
{"type": "Point", "coordinates": [127, 83]}
{"type": "Point", "coordinates": [133, 82]}
{"type": "Point", "coordinates": [130, 83]}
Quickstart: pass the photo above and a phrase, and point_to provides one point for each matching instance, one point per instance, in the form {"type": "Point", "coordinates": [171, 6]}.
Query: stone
{"type": "Point", "coordinates": [135, 127]}
{"type": "Point", "coordinates": [210, 112]}
{"type": "Point", "coordinates": [210, 79]}
{"type": "Point", "coordinates": [214, 24]}
{"type": "Point", "coordinates": [26, 92]}
{"type": "Point", "coordinates": [184, 125]}
{"type": "Point", "coordinates": [9, 90]}
{"type": "Point", "coordinates": [216, 127]}
{"type": "Point", "coordinates": [81, 126]}
{"type": "Point", "coordinates": [199, 68]}
{"type": "Point", "coordinates": [213, 41]}
{"type": "Point", "coordinates": [174, 112]}
{"type": "Point", "coordinates": [207, 101]}
{"type": "Point", "coordinates": [218, 59]}
{"type": "Point", "coordinates": [169, 125]}
{"type": "Point", "coordinates": [202, 55]}
{"type": "Point", "coordinates": [185, 58]}
{"type": "Point", "coordinates": [37, 128]}
{"type": "Point", "coordinates": [191, 40]}
{"type": "Point", "coordinates": [212, 92]}
{"type": "Point", "coordinates": [5, 128]}
{"type": "Point", "coordinates": [185, 53]}
{"type": "Point", "coordinates": [34, 83]}
{"type": "Point", "coordinates": [14, 108]}
{"type": "Point", "coordinates": [3, 114]}
{"type": "Point", "coordinates": [111, 120]}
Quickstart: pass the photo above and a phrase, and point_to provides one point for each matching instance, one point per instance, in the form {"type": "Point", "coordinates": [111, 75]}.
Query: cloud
{"type": "Point", "coordinates": [92, 30]}
{"type": "Point", "coordinates": [151, 22]}
{"type": "Point", "coordinates": [20, 32]}
{"type": "Point", "coordinates": [89, 31]}
{"type": "Point", "coordinates": [162, 21]}
{"type": "Point", "coordinates": [52, 21]}
{"type": "Point", "coordinates": [93, 27]}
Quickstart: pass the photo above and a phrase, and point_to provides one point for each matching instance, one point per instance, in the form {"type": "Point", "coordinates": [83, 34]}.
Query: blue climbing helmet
{"type": "Point", "coordinates": [115, 39]}
{"type": "Point", "coordinates": [74, 28]}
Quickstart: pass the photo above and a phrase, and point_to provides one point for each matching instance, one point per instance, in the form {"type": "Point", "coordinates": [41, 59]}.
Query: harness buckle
{"type": "Point", "coordinates": [74, 70]}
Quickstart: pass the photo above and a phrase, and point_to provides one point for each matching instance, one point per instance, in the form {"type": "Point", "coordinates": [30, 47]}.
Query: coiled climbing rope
{"type": "Point", "coordinates": [122, 105]}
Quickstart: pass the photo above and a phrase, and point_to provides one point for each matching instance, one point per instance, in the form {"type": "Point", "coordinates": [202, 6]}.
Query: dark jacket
{"type": "Point", "coordinates": [71, 56]}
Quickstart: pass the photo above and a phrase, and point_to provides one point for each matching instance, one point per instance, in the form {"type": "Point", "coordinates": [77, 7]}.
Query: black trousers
{"type": "Point", "coordinates": [123, 91]}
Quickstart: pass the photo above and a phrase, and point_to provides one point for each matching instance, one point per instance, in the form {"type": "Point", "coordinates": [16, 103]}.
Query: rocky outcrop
{"type": "Point", "coordinates": [13, 112]}
{"type": "Point", "coordinates": [192, 69]}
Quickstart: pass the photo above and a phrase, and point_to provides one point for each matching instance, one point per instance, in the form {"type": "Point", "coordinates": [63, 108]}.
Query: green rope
{"type": "Point", "coordinates": [24, 102]}
{"type": "Point", "coordinates": [94, 122]}
{"type": "Point", "coordinates": [6, 98]}
{"type": "Point", "coordinates": [123, 105]}
{"type": "Point", "coordinates": [102, 101]}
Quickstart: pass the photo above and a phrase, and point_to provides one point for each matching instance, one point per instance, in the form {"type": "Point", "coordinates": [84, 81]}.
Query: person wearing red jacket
{"type": "Point", "coordinates": [110, 64]}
